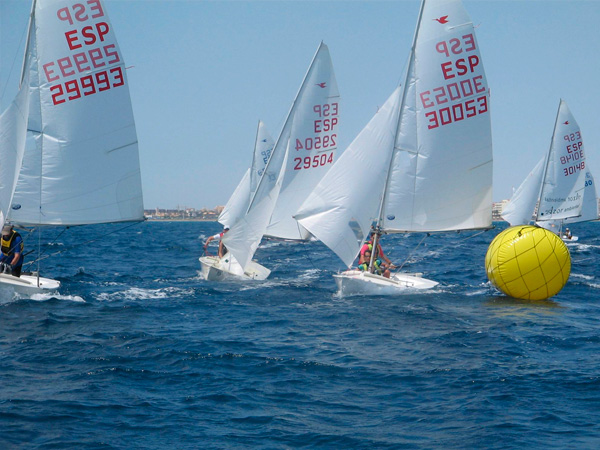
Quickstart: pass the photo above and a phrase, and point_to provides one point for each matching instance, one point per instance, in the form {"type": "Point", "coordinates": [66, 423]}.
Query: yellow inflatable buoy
{"type": "Point", "coordinates": [528, 262]}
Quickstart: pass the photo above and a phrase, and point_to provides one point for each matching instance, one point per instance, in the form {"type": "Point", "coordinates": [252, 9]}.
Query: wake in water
{"type": "Point", "coordinates": [7, 296]}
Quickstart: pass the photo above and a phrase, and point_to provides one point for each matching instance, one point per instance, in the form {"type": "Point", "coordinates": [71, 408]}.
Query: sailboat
{"type": "Point", "coordinates": [72, 133]}
{"type": "Point", "coordinates": [304, 150]}
{"type": "Point", "coordinates": [560, 189]}
{"type": "Point", "coordinates": [424, 161]}
{"type": "Point", "coordinates": [215, 268]}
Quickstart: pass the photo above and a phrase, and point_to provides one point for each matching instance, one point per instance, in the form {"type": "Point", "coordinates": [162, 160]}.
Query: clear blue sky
{"type": "Point", "coordinates": [205, 72]}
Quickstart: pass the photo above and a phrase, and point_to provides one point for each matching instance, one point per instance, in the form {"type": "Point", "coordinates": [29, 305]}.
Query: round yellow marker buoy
{"type": "Point", "coordinates": [528, 262]}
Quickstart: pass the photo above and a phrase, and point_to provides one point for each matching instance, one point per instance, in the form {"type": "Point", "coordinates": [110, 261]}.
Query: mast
{"type": "Point", "coordinates": [392, 156]}
{"type": "Point", "coordinates": [406, 76]}
{"type": "Point", "coordinates": [24, 65]}
{"type": "Point", "coordinates": [539, 198]}
{"type": "Point", "coordinates": [253, 165]}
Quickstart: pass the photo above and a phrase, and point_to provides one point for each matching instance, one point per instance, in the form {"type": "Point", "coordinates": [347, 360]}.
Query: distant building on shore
{"type": "Point", "coordinates": [213, 214]}
{"type": "Point", "coordinates": [183, 214]}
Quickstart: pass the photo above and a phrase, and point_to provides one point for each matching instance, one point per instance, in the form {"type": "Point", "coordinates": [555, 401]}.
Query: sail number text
{"type": "Point", "coordinates": [323, 138]}
{"type": "Point", "coordinates": [91, 63]}
{"type": "Point", "coordinates": [574, 153]}
{"type": "Point", "coordinates": [463, 93]}
{"type": "Point", "coordinates": [316, 161]}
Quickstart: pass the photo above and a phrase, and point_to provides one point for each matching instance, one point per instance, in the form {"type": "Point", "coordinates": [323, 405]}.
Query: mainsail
{"type": "Point", "coordinates": [558, 182]}
{"type": "Point", "coordinates": [589, 208]}
{"type": "Point", "coordinates": [295, 164]}
{"type": "Point", "coordinates": [561, 194]}
{"type": "Point", "coordinates": [306, 149]}
{"type": "Point", "coordinates": [81, 162]}
{"type": "Point", "coordinates": [425, 159]}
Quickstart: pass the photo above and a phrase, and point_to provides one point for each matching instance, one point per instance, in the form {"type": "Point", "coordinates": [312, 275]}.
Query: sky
{"type": "Point", "coordinates": [202, 73]}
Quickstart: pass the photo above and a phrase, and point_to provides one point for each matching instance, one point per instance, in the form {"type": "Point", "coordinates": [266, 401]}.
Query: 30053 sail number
{"type": "Point", "coordinates": [457, 112]}
{"type": "Point", "coordinates": [309, 162]}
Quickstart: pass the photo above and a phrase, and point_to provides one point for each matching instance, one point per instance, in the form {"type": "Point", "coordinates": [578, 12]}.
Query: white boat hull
{"type": "Point", "coordinates": [571, 239]}
{"type": "Point", "coordinates": [219, 269]}
{"type": "Point", "coordinates": [356, 282]}
{"type": "Point", "coordinates": [28, 283]}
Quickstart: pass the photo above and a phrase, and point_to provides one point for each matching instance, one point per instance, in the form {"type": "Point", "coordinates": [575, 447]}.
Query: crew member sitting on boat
{"type": "Point", "coordinates": [11, 260]}
{"type": "Point", "coordinates": [219, 236]}
{"type": "Point", "coordinates": [379, 266]}
{"type": "Point", "coordinates": [567, 234]}
{"type": "Point", "coordinates": [365, 259]}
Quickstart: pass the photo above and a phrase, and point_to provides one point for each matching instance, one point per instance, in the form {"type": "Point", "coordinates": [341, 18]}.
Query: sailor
{"type": "Point", "coordinates": [381, 263]}
{"type": "Point", "coordinates": [11, 260]}
{"type": "Point", "coordinates": [364, 261]}
{"type": "Point", "coordinates": [568, 234]}
{"type": "Point", "coordinates": [219, 236]}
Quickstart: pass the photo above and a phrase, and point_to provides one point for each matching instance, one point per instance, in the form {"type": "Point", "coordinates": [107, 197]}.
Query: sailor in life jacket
{"type": "Point", "coordinates": [381, 263]}
{"type": "Point", "coordinates": [11, 259]}
{"type": "Point", "coordinates": [365, 259]}
{"type": "Point", "coordinates": [219, 236]}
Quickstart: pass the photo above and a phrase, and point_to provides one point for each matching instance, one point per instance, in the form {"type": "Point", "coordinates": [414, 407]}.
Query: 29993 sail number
{"type": "Point", "coordinates": [88, 85]}
{"type": "Point", "coordinates": [309, 162]}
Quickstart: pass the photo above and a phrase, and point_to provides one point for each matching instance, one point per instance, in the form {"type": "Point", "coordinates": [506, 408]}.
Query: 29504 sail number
{"type": "Point", "coordinates": [309, 162]}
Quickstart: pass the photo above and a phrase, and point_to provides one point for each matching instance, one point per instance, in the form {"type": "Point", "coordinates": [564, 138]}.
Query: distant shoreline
{"type": "Point", "coordinates": [179, 220]}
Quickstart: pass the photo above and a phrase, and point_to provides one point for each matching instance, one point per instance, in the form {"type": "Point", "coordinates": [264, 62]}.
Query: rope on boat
{"type": "Point", "coordinates": [415, 249]}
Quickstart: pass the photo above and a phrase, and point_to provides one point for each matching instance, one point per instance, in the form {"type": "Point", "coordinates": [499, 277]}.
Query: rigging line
{"type": "Point", "coordinates": [86, 242]}
{"type": "Point", "coordinates": [48, 245]}
{"type": "Point", "coordinates": [308, 256]}
{"type": "Point", "coordinates": [445, 246]}
{"type": "Point", "coordinates": [414, 250]}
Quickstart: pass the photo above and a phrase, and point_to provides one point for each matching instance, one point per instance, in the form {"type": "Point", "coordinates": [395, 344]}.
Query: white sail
{"type": "Point", "coordinates": [559, 184]}
{"type": "Point", "coordinates": [342, 207]}
{"type": "Point", "coordinates": [13, 132]}
{"type": "Point", "coordinates": [589, 208]}
{"type": "Point", "coordinates": [441, 177]}
{"type": "Point", "coordinates": [520, 208]}
{"type": "Point", "coordinates": [243, 238]}
{"type": "Point", "coordinates": [238, 203]}
{"type": "Point", "coordinates": [424, 162]}
{"type": "Point", "coordinates": [81, 165]}
{"type": "Point", "coordinates": [561, 194]}
{"type": "Point", "coordinates": [310, 145]}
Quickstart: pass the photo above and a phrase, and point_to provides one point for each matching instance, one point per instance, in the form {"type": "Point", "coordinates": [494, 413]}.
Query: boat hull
{"type": "Point", "coordinates": [220, 269]}
{"type": "Point", "coordinates": [28, 283]}
{"type": "Point", "coordinates": [356, 282]}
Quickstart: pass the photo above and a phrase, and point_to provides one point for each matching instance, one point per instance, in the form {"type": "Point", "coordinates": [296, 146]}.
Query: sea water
{"type": "Point", "coordinates": [137, 351]}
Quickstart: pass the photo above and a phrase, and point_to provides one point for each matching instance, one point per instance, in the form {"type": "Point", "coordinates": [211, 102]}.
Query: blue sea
{"type": "Point", "coordinates": [137, 351]}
